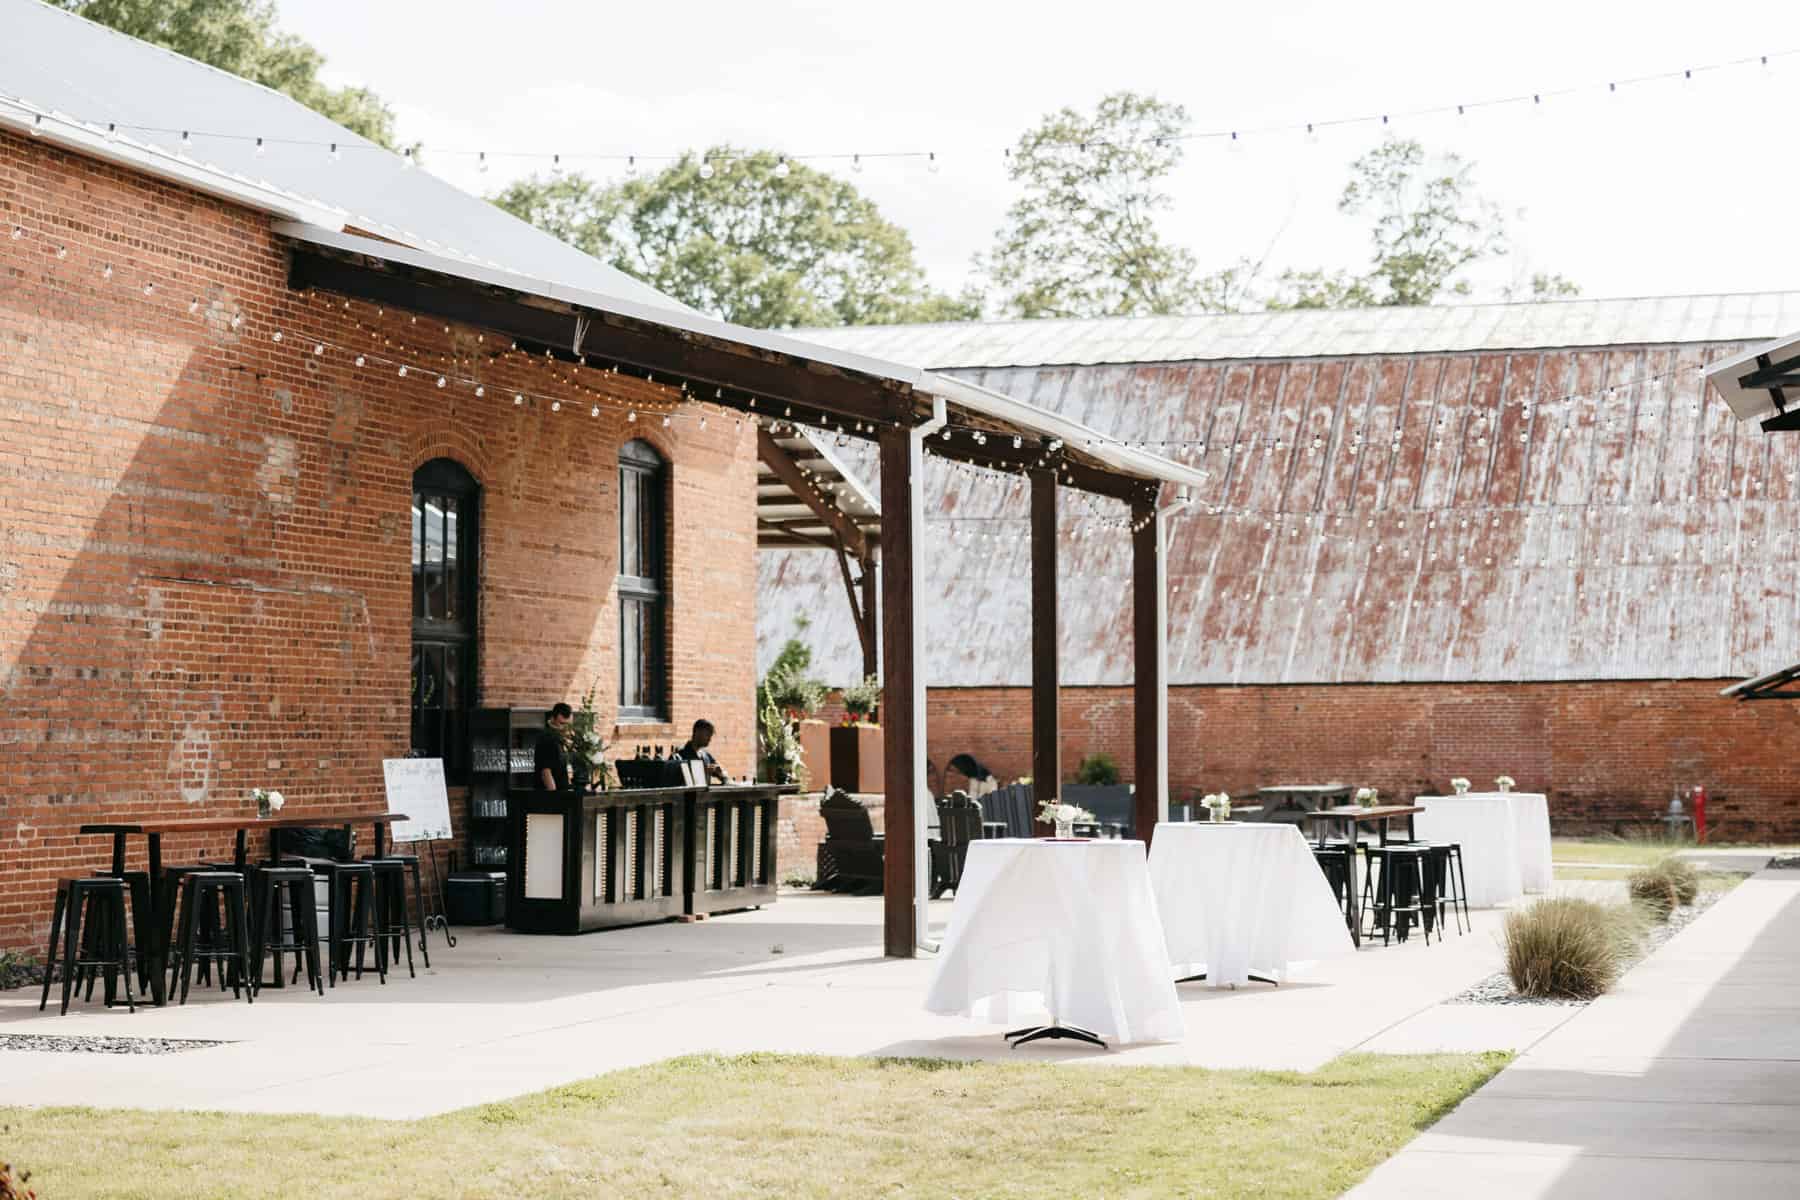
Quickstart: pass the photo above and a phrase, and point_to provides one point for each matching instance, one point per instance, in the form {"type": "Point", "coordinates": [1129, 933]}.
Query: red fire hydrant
{"type": "Point", "coordinates": [1699, 814]}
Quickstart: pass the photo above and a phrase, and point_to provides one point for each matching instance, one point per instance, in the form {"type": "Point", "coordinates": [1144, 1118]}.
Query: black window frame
{"type": "Point", "coordinates": [444, 642]}
{"type": "Point", "coordinates": [643, 596]}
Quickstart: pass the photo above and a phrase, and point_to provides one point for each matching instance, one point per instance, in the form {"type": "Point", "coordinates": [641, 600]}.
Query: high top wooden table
{"type": "Point", "coordinates": [153, 830]}
{"type": "Point", "coordinates": [1350, 816]}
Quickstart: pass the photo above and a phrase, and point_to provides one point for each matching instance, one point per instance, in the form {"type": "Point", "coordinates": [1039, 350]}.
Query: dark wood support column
{"type": "Point", "coordinates": [1150, 697]}
{"type": "Point", "coordinates": [903, 692]}
{"type": "Point", "coordinates": [1046, 725]}
{"type": "Point", "coordinates": [871, 610]}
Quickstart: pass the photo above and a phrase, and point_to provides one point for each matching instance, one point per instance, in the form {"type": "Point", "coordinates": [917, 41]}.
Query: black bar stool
{"type": "Point", "coordinates": [411, 863]}
{"type": "Point", "coordinates": [99, 901]}
{"type": "Point", "coordinates": [206, 891]}
{"type": "Point", "coordinates": [1337, 860]}
{"type": "Point", "coordinates": [1399, 892]}
{"type": "Point", "coordinates": [303, 925]}
{"type": "Point", "coordinates": [352, 902]}
{"type": "Point", "coordinates": [391, 922]}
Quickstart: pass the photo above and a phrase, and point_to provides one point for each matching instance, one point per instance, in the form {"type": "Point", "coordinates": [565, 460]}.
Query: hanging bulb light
{"type": "Point", "coordinates": [518, 399]}
{"type": "Point", "coordinates": [856, 163]}
{"type": "Point", "coordinates": [360, 360]}
{"type": "Point", "coordinates": [335, 156]}
{"type": "Point", "coordinates": [706, 168]}
{"type": "Point", "coordinates": [631, 164]}
{"type": "Point", "coordinates": [187, 141]}
{"type": "Point", "coordinates": [556, 406]}
{"type": "Point", "coordinates": [632, 416]}
{"type": "Point", "coordinates": [403, 370]}
{"type": "Point", "coordinates": [595, 411]}
{"type": "Point", "coordinates": [481, 163]}
{"type": "Point", "coordinates": [480, 391]}
{"type": "Point", "coordinates": [931, 162]}
{"type": "Point", "coordinates": [37, 125]}
{"type": "Point", "coordinates": [781, 168]}
{"type": "Point", "coordinates": [406, 158]}
{"type": "Point", "coordinates": [442, 381]}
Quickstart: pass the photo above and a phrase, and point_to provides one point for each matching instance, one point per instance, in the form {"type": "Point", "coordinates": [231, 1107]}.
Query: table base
{"type": "Point", "coordinates": [1253, 979]}
{"type": "Point", "coordinates": [1019, 1037]}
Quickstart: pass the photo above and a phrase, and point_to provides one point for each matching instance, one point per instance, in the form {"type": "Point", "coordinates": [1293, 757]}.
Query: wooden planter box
{"type": "Point", "coordinates": [856, 759]}
{"type": "Point", "coordinates": [815, 754]}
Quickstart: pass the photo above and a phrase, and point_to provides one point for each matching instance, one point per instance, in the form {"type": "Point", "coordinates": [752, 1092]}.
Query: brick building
{"type": "Point", "coordinates": [1518, 539]}
{"type": "Point", "coordinates": [208, 474]}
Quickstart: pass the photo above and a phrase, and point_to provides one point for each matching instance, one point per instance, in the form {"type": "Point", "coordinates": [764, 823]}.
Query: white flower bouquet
{"type": "Point", "coordinates": [1062, 816]}
{"type": "Point", "coordinates": [1218, 804]}
{"type": "Point", "coordinates": [1459, 785]}
{"type": "Point", "coordinates": [1505, 783]}
{"type": "Point", "coordinates": [268, 802]}
{"type": "Point", "coordinates": [1367, 797]}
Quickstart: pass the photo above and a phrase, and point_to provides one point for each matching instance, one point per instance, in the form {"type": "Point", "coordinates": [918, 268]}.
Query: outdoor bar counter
{"type": "Point", "coordinates": [631, 855]}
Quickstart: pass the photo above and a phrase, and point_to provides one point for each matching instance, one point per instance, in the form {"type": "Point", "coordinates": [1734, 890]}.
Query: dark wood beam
{"type": "Point", "coordinates": [1149, 621]}
{"type": "Point", "coordinates": [775, 457]}
{"type": "Point", "coordinates": [795, 530]}
{"type": "Point", "coordinates": [902, 716]}
{"type": "Point", "coordinates": [1046, 726]}
{"type": "Point", "coordinates": [674, 355]}
{"type": "Point", "coordinates": [871, 613]}
{"type": "Point", "coordinates": [860, 609]}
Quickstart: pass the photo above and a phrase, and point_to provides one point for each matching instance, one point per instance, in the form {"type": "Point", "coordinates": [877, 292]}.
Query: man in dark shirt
{"type": "Point", "coordinates": [696, 749]}
{"type": "Point", "coordinates": [550, 756]}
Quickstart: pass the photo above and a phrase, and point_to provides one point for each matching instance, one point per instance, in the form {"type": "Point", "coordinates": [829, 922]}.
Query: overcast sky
{"type": "Point", "coordinates": [1684, 187]}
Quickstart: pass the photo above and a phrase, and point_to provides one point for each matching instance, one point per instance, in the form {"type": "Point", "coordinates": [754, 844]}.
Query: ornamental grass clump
{"type": "Point", "coordinates": [1664, 885]}
{"type": "Point", "coordinates": [1563, 948]}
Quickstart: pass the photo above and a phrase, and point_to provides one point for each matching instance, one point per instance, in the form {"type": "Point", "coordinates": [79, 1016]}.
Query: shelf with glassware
{"type": "Point", "coordinates": [502, 744]}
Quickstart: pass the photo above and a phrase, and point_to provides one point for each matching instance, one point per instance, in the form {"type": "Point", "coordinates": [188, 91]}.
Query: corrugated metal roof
{"type": "Point", "coordinates": [1390, 518]}
{"type": "Point", "coordinates": [1321, 333]}
{"type": "Point", "coordinates": [60, 63]}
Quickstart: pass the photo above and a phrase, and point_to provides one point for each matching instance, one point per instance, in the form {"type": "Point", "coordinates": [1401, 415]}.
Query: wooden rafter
{"type": "Point", "coordinates": [778, 460]}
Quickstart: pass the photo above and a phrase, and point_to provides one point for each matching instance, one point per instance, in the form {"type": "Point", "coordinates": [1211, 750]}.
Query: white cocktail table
{"type": "Point", "coordinates": [1061, 935]}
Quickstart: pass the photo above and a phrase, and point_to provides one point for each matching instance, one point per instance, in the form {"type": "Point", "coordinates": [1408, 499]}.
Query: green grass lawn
{"type": "Point", "coordinates": [1622, 852]}
{"type": "Point", "coordinates": [790, 1127]}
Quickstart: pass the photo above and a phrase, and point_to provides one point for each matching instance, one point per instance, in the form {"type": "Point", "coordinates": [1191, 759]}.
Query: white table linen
{"type": "Point", "coordinates": [1242, 899]}
{"type": "Point", "coordinates": [1532, 812]}
{"type": "Point", "coordinates": [1488, 830]}
{"type": "Point", "coordinates": [1047, 932]}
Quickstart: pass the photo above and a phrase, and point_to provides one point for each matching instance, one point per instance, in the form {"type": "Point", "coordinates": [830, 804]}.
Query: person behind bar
{"type": "Point", "coordinates": [696, 748]}
{"type": "Point", "coordinates": [550, 757]}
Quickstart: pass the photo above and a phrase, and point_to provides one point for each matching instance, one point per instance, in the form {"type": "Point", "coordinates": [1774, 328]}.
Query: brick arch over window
{"type": "Point", "coordinates": [446, 573]}
{"type": "Point", "coordinates": [467, 450]}
{"type": "Point", "coordinates": [643, 582]}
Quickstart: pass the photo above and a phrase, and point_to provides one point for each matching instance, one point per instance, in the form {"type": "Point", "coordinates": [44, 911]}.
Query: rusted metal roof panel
{"type": "Point", "coordinates": [1325, 333]}
{"type": "Point", "coordinates": [1494, 515]}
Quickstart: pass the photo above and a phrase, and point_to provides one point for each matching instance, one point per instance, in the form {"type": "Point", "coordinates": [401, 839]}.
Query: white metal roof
{"type": "Point", "coordinates": [80, 76]}
{"type": "Point", "coordinates": [1320, 333]}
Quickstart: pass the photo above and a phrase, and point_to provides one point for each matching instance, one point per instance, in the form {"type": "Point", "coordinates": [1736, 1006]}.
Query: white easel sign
{"type": "Point", "coordinates": [415, 786]}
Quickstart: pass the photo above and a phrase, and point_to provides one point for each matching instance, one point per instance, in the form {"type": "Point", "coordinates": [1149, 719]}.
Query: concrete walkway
{"type": "Point", "coordinates": [1683, 1081]}
{"type": "Point", "coordinates": [506, 1014]}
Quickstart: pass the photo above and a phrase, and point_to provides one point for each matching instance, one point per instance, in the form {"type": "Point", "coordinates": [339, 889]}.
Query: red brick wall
{"type": "Point", "coordinates": [204, 548]}
{"type": "Point", "coordinates": [1596, 749]}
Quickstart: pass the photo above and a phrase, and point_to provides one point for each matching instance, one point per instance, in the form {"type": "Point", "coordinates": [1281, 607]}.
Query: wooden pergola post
{"type": "Point", "coordinates": [1046, 728]}
{"type": "Point", "coordinates": [1150, 692]}
{"type": "Point", "coordinates": [903, 686]}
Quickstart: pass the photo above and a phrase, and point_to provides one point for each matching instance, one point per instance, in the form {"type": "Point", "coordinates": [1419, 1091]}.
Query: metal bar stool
{"type": "Point", "coordinates": [302, 937]}
{"type": "Point", "coordinates": [206, 891]}
{"type": "Point", "coordinates": [391, 921]}
{"type": "Point", "coordinates": [100, 902]}
{"type": "Point", "coordinates": [411, 863]}
{"type": "Point", "coordinates": [352, 901]}
{"type": "Point", "coordinates": [1399, 891]}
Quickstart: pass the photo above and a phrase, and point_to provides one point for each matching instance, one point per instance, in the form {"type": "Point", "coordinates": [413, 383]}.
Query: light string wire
{"type": "Point", "coordinates": [1101, 513]}
{"type": "Point", "coordinates": [1532, 98]}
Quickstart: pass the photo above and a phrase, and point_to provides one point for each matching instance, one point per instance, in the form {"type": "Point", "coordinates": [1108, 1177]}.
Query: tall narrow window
{"type": "Point", "coordinates": [642, 623]}
{"type": "Point", "coordinates": [445, 545]}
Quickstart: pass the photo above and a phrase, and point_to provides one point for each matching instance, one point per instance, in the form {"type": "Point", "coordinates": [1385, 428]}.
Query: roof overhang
{"type": "Point", "coordinates": [847, 393]}
{"type": "Point", "coordinates": [785, 519]}
{"type": "Point", "coordinates": [1773, 686]}
{"type": "Point", "coordinates": [1762, 384]}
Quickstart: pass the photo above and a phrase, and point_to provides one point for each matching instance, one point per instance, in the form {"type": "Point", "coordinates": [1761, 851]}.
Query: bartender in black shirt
{"type": "Point", "coordinates": [696, 749]}
{"type": "Point", "coordinates": [550, 757]}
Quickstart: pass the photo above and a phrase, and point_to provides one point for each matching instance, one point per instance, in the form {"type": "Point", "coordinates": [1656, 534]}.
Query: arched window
{"type": "Point", "coordinates": [446, 510]}
{"type": "Point", "coordinates": [643, 626]}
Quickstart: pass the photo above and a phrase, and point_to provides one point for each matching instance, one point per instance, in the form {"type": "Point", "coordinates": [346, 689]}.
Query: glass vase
{"type": "Point", "coordinates": [263, 812]}
{"type": "Point", "coordinates": [1065, 829]}
{"type": "Point", "coordinates": [1218, 816]}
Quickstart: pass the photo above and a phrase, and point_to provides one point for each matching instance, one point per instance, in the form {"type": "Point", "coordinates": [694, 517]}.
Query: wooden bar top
{"type": "Point", "coordinates": [226, 824]}
{"type": "Point", "coordinates": [1355, 812]}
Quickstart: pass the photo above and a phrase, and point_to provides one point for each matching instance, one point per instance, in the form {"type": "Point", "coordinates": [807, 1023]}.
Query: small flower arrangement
{"type": "Point", "coordinates": [1218, 804]}
{"type": "Point", "coordinates": [1062, 816]}
{"type": "Point", "coordinates": [861, 700]}
{"type": "Point", "coordinates": [268, 803]}
{"type": "Point", "coordinates": [1367, 797]}
{"type": "Point", "coordinates": [1459, 785]}
{"type": "Point", "coordinates": [1504, 783]}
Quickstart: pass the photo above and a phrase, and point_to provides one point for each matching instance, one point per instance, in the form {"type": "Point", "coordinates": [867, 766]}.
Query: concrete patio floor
{"type": "Point", "coordinates": [1682, 1081]}
{"type": "Point", "coordinates": [505, 1014]}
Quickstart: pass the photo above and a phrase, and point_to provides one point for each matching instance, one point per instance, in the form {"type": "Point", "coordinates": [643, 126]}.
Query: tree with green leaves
{"type": "Point", "coordinates": [747, 236]}
{"type": "Point", "coordinates": [1082, 239]}
{"type": "Point", "coordinates": [240, 36]}
{"type": "Point", "coordinates": [1429, 223]}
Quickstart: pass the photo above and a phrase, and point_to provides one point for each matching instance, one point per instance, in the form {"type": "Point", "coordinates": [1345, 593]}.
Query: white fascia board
{"type": "Point", "coordinates": [70, 134]}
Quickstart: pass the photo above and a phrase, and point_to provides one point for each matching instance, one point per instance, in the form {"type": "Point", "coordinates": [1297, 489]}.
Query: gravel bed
{"type": "Point", "coordinates": [1786, 862]}
{"type": "Point", "coordinates": [1498, 988]}
{"type": "Point", "coordinates": [55, 1044]}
